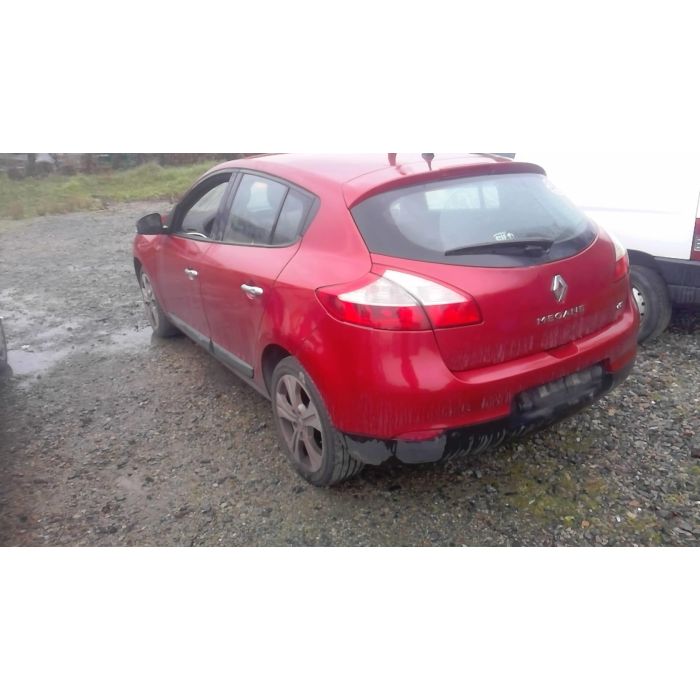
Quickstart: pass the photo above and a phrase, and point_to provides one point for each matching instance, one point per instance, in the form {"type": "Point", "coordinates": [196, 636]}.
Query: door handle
{"type": "Point", "coordinates": [252, 291]}
{"type": "Point", "coordinates": [192, 274]}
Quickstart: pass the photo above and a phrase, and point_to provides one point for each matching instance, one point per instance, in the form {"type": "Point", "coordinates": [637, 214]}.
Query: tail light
{"type": "Point", "coordinates": [695, 249]}
{"type": "Point", "coordinates": [398, 301]}
{"type": "Point", "coordinates": [622, 261]}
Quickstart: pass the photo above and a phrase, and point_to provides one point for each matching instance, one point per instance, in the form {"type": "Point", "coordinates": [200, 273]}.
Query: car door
{"type": "Point", "coordinates": [194, 222]}
{"type": "Point", "coordinates": [264, 223]}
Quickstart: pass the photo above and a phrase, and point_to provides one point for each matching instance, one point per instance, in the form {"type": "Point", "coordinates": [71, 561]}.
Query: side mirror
{"type": "Point", "coordinates": [150, 225]}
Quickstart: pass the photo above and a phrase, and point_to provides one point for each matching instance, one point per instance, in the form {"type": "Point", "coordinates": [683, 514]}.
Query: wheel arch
{"type": "Point", "coordinates": [637, 257]}
{"type": "Point", "coordinates": [271, 356]}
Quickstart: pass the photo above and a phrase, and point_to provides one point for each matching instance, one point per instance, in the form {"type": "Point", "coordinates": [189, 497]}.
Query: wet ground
{"type": "Point", "coordinates": [108, 436]}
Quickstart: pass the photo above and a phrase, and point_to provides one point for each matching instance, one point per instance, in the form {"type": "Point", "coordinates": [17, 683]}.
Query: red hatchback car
{"type": "Point", "coordinates": [417, 308]}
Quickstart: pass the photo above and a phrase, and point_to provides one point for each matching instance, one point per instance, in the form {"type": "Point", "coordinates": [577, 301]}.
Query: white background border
{"type": "Point", "coordinates": [444, 76]}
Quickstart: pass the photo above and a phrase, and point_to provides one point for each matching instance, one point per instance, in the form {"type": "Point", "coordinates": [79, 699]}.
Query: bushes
{"type": "Point", "coordinates": [56, 194]}
{"type": "Point", "coordinates": [21, 165]}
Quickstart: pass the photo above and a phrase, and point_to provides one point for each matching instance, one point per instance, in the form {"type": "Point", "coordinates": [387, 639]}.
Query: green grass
{"type": "Point", "coordinates": [58, 194]}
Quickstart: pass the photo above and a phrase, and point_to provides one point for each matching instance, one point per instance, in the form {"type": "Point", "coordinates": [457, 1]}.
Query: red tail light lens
{"type": "Point", "coordinates": [376, 303]}
{"type": "Point", "coordinates": [399, 301]}
{"type": "Point", "coordinates": [622, 261]}
{"type": "Point", "coordinates": [695, 250]}
{"type": "Point", "coordinates": [622, 267]}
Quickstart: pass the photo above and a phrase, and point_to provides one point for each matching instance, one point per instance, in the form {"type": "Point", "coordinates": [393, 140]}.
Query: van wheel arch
{"type": "Point", "coordinates": [637, 257]}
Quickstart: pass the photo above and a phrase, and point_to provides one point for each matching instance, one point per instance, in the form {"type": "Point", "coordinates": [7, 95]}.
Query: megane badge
{"type": "Point", "coordinates": [559, 288]}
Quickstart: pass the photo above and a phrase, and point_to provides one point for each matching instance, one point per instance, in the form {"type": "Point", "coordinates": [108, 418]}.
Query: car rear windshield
{"type": "Point", "coordinates": [507, 220]}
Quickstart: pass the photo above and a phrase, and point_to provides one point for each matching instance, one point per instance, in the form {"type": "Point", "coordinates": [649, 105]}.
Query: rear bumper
{"type": "Point", "coordinates": [395, 387]}
{"type": "Point", "coordinates": [682, 278]}
{"type": "Point", "coordinates": [525, 418]}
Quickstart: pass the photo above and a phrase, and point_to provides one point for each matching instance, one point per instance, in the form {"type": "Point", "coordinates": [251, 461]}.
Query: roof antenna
{"type": "Point", "coordinates": [392, 159]}
{"type": "Point", "coordinates": [428, 158]}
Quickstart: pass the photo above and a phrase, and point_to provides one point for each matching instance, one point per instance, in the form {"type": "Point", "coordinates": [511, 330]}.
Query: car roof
{"type": "Point", "coordinates": [360, 174]}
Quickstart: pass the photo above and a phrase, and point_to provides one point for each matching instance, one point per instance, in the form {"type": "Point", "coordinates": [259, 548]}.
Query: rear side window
{"type": "Point", "coordinates": [266, 213]}
{"type": "Point", "coordinates": [479, 220]}
{"type": "Point", "coordinates": [254, 211]}
{"type": "Point", "coordinates": [291, 219]}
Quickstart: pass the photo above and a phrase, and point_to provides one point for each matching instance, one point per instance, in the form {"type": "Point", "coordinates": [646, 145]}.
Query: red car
{"type": "Point", "coordinates": [410, 307]}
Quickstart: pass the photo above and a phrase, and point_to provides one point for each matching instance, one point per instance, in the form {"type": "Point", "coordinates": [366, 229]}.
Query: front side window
{"type": "Point", "coordinates": [475, 220]}
{"type": "Point", "coordinates": [201, 215]}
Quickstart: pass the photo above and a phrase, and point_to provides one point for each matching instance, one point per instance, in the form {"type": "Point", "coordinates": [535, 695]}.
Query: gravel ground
{"type": "Point", "coordinates": [110, 437]}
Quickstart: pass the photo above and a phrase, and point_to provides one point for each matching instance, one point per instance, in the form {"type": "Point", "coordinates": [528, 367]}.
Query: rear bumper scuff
{"type": "Point", "coordinates": [561, 400]}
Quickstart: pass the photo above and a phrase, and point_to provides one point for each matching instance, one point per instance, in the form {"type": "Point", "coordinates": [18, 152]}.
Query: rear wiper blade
{"type": "Point", "coordinates": [525, 246]}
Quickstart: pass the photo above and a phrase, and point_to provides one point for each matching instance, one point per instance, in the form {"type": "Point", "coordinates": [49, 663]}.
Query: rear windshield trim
{"type": "Point", "coordinates": [366, 186]}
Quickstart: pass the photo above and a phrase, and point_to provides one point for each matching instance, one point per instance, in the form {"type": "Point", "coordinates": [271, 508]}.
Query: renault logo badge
{"type": "Point", "coordinates": [559, 288]}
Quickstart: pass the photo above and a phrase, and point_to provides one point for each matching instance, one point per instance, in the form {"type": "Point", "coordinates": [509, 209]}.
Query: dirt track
{"type": "Point", "coordinates": [110, 437]}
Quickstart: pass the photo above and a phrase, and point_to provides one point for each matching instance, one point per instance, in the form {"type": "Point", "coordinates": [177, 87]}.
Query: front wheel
{"type": "Point", "coordinates": [315, 448]}
{"type": "Point", "coordinates": [652, 299]}
{"type": "Point", "coordinates": [161, 325]}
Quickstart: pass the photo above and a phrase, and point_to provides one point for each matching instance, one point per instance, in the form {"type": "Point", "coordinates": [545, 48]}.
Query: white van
{"type": "Point", "coordinates": [650, 201]}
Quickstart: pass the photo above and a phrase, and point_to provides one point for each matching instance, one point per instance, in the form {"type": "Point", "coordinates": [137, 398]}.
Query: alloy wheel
{"type": "Point", "coordinates": [300, 423]}
{"type": "Point", "coordinates": [149, 300]}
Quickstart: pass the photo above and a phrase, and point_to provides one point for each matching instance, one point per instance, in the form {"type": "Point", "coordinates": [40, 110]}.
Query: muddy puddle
{"type": "Point", "coordinates": [30, 363]}
{"type": "Point", "coordinates": [50, 346]}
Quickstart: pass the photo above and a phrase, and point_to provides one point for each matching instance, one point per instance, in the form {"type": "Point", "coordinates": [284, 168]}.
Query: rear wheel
{"type": "Point", "coordinates": [162, 327]}
{"type": "Point", "coordinates": [315, 448]}
{"type": "Point", "coordinates": [652, 299]}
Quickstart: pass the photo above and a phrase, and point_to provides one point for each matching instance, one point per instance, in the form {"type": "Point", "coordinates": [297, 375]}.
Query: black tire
{"type": "Point", "coordinates": [326, 461]}
{"type": "Point", "coordinates": [651, 295]}
{"type": "Point", "coordinates": [160, 323]}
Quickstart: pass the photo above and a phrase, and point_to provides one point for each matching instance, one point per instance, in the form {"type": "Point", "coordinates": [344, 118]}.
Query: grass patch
{"type": "Point", "coordinates": [59, 194]}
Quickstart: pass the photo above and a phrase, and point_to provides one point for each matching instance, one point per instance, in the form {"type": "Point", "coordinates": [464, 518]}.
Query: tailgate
{"type": "Point", "coordinates": [523, 310]}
